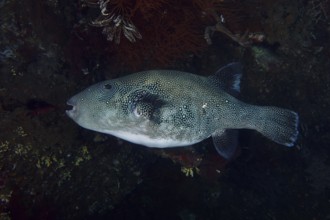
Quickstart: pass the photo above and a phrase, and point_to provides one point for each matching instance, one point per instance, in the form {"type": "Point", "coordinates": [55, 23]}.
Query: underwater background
{"type": "Point", "coordinates": [50, 168]}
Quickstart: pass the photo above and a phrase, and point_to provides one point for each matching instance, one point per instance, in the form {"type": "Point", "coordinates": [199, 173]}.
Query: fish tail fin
{"type": "Point", "coordinates": [278, 124]}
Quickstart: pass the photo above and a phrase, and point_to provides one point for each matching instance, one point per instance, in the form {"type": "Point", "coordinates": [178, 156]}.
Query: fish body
{"type": "Point", "coordinates": [166, 108]}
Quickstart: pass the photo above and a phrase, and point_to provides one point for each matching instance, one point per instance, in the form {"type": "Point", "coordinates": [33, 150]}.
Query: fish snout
{"type": "Point", "coordinates": [72, 108]}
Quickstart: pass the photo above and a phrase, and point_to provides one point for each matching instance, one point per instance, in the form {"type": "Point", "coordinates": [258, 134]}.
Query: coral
{"type": "Point", "coordinates": [116, 21]}
{"type": "Point", "coordinates": [245, 39]}
{"type": "Point", "coordinates": [237, 20]}
{"type": "Point", "coordinates": [169, 38]}
{"type": "Point", "coordinates": [146, 33]}
{"type": "Point", "coordinates": [189, 171]}
{"type": "Point", "coordinates": [318, 10]}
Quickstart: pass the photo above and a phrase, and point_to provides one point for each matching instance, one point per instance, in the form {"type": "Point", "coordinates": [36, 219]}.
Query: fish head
{"type": "Point", "coordinates": [116, 108]}
{"type": "Point", "coordinates": [98, 107]}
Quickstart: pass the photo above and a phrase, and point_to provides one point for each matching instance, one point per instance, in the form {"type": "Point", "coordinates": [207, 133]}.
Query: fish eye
{"type": "Point", "coordinates": [107, 86]}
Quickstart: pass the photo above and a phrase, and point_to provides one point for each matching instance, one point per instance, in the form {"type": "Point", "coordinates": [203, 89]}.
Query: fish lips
{"type": "Point", "coordinates": [72, 110]}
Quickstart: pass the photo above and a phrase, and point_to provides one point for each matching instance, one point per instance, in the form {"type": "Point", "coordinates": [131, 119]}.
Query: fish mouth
{"type": "Point", "coordinates": [72, 108]}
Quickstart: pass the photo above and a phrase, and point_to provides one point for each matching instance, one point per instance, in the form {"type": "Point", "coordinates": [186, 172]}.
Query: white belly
{"type": "Point", "coordinates": [148, 141]}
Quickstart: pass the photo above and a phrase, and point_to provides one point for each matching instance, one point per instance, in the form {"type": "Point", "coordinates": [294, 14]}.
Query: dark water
{"type": "Point", "coordinates": [53, 169]}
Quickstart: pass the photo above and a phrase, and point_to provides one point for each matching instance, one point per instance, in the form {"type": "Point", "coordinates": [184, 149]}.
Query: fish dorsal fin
{"type": "Point", "coordinates": [225, 142]}
{"type": "Point", "coordinates": [228, 78]}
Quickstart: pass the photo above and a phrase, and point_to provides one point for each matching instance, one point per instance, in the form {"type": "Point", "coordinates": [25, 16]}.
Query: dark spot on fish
{"type": "Point", "coordinates": [107, 86]}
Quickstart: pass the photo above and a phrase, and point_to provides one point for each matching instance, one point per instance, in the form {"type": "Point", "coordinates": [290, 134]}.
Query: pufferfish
{"type": "Point", "coordinates": [167, 108]}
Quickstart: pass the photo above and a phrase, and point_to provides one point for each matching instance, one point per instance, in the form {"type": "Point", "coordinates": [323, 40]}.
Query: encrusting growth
{"type": "Point", "coordinates": [149, 33]}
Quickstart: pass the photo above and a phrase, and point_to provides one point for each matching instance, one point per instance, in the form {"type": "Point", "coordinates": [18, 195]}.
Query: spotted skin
{"type": "Point", "coordinates": [166, 108]}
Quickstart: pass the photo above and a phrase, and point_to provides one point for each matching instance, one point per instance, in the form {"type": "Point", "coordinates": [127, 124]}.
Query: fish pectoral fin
{"type": "Point", "coordinates": [146, 104]}
{"type": "Point", "coordinates": [225, 142]}
{"type": "Point", "coordinates": [144, 109]}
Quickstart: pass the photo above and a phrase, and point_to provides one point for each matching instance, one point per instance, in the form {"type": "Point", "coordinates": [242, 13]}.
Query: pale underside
{"type": "Point", "coordinates": [148, 141]}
